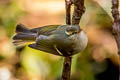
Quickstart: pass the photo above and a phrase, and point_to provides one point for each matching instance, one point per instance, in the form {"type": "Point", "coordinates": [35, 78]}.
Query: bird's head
{"type": "Point", "coordinates": [72, 29]}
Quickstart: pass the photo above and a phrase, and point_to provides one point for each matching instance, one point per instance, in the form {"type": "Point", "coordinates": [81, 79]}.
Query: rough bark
{"type": "Point", "coordinates": [67, 60]}
{"type": "Point", "coordinates": [116, 25]}
{"type": "Point", "coordinates": [79, 9]}
{"type": "Point", "coordinates": [66, 68]}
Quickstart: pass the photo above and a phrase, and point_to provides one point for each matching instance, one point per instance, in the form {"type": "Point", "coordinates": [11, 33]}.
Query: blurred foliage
{"type": "Point", "coordinates": [28, 64]}
{"type": "Point", "coordinates": [10, 12]}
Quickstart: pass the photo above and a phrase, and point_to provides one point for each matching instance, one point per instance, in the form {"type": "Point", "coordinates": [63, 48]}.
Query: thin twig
{"type": "Point", "coordinates": [79, 9]}
{"type": "Point", "coordinates": [116, 25]}
{"type": "Point", "coordinates": [67, 60]}
{"type": "Point", "coordinates": [67, 68]}
{"type": "Point", "coordinates": [68, 11]}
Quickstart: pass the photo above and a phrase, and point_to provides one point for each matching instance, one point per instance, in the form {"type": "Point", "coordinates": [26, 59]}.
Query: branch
{"type": "Point", "coordinates": [68, 11]}
{"type": "Point", "coordinates": [67, 60]}
{"type": "Point", "coordinates": [79, 9]}
{"type": "Point", "coordinates": [67, 68]}
{"type": "Point", "coordinates": [116, 24]}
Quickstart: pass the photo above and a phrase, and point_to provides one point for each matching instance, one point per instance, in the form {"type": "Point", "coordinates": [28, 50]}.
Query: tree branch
{"type": "Point", "coordinates": [116, 25]}
{"type": "Point", "coordinates": [68, 11]}
{"type": "Point", "coordinates": [79, 9]}
{"type": "Point", "coordinates": [67, 68]}
{"type": "Point", "coordinates": [67, 60]}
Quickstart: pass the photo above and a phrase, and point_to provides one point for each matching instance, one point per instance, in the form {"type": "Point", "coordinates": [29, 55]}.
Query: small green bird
{"type": "Point", "coordinates": [62, 40]}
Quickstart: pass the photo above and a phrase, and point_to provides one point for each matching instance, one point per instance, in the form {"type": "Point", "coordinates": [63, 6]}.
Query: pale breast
{"type": "Point", "coordinates": [80, 42]}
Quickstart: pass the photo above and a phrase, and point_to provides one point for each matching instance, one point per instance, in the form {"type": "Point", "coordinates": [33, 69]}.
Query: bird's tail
{"type": "Point", "coordinates": [23, 35]}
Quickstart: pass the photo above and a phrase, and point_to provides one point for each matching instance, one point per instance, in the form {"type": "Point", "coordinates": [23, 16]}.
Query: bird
{"type": "Point", "coordinates": [61, 40]}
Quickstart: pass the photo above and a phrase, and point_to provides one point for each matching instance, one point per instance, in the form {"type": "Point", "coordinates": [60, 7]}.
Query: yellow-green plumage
{"type": "Point", "coordinates": [53, 38]}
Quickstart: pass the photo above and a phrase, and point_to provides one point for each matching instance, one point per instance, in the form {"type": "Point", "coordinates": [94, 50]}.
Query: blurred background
{"type": "Point", "coordinates": [99, 61]}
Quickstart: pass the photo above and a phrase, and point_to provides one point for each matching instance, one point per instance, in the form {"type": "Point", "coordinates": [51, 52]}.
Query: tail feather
{"type": "Point", "coordinates": [19, 42]}
{"type": "Point", "coordinates": [23, 35]}
{"type": "Point", "coordinates": [22, 29]}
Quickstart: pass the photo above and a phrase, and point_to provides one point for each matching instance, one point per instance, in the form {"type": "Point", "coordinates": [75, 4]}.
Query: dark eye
{"type": "Point", "coordinates": [71, 30]}
{"type": "Point", "coordinates": [74, 33]}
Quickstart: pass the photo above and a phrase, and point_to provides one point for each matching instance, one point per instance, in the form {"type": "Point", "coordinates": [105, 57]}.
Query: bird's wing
{"type": "Point", "coordinates": [45, 30]}
{"type": "Point", "coordinates": [43, 43]}
{"type": "Point", "coordinates": [43, 46]}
